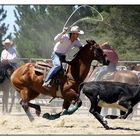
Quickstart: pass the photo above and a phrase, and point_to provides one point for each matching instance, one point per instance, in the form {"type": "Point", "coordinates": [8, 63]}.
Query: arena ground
{"type": "Point", "coordinates": [79, 124]}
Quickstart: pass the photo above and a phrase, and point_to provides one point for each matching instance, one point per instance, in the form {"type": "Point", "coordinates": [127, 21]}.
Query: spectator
{"type": "Point", "coordinates": [9, 55]}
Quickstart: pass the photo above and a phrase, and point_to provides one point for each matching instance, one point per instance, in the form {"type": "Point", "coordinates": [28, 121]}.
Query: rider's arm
{"type": "Point", "coordinates": [78, 44]}
{"type": "Point", "coordinates": [59, 37]}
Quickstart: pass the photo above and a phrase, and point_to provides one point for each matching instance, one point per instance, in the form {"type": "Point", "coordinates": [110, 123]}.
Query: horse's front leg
{"type": "Point", "coordinates": [64, 111]}
{"type": "Point", "coordinates": [67, 110]}
{"type": "Point", "coordinates": [5, 98]}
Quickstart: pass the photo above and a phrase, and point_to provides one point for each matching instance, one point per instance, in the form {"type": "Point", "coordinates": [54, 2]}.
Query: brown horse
{"type": "Point", "coordinates": [125, 76]}
{"type": "Point", "coordinates": [64, 84]}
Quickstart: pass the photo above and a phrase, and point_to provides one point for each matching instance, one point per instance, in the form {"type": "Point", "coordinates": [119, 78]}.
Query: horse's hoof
{"type": "Point", "coordinates": [121, 117]}
{"type": "Point", "coordinates": [31, 119]}
{"type": "Point", "coordinates": [52, 116]}
{"type": "Point", "coordinates": [107, 127]}
{"type": "Point", "coordinates": [46, 116]}
{"type": "Point", "coordinates": [111, 117]}
{"type": "Point", "coordinates": [38, 113]}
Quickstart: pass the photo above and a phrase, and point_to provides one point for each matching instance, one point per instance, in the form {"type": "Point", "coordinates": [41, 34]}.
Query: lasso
{"type": "Point", "coordinates": [83, 19]}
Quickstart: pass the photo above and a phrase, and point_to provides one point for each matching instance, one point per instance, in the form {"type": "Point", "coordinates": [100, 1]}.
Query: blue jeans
{"type": "Point", "coordinates": [56, 66]}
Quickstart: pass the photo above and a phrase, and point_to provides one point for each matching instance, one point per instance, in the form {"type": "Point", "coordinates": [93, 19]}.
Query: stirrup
{"type": "Point", "coordinates": [47, 84]}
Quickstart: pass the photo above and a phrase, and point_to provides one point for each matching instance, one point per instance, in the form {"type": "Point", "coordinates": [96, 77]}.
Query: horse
{"type": "Point", "coordinates": [124, 76]}
{"type": "Point", "coordinates": [64, 85]}
{"type": "Point", "coordinates": [135, 68]}
{"type": "Point", "coordinates": [6, 88]}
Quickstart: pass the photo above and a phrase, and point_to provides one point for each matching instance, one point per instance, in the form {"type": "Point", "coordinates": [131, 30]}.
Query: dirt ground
{"type": "Point", "coordinates": [76, 124]}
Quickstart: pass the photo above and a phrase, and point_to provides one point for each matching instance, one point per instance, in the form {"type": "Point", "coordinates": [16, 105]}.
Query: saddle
{"type": "Point", "coordinates": [42, 68]}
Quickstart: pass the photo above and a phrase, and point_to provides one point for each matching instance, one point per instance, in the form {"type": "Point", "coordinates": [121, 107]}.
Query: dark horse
{"type": "Point", "coordinates": [29, 84]}
{"type": "Point", "coordinates": [5, 86]}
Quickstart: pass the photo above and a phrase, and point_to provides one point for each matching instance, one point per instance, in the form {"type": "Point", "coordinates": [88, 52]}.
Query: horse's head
{"type": "Point", "coordinates": [96, 52]}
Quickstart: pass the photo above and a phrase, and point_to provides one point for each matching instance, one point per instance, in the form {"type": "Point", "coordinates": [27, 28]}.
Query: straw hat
{"type": "Point", "coordinates": [7, 41]}
{"type": "Point", "coordinates": [75, 29]}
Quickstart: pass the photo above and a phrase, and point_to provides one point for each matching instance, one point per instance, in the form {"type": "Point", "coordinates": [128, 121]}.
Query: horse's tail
{"type": "Point", "coordinates": [80, 87]}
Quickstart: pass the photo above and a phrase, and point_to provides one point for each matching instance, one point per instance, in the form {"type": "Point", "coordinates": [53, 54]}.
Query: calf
{"type": "Point", "coordinates": [110, 94]}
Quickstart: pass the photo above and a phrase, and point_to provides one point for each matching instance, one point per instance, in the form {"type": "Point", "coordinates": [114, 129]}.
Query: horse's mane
{"type": "Point", "coordinates": [89, 42]}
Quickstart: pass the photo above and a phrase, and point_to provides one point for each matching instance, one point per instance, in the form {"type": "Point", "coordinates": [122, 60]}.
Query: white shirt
{"type": "Point", "coordinates": [9, 54]}
{"type": "Point", "coordinates": [64, 43]}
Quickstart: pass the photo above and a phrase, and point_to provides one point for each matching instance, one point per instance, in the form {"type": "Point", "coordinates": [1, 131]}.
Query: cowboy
{"type": "Point", "coordinates": [65, 40]}
{"type": "Point", "coordinates": [9, 55]}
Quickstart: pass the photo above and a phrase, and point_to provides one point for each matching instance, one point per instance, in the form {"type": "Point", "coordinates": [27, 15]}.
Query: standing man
{"type": "Point", "coordinates": [64, 42]}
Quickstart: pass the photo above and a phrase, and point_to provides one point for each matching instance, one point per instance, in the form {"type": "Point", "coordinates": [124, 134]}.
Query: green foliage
{"type": "Point", "coordinates": [38, 24]}
{"type": "Point", "coordinates": [3, 27]}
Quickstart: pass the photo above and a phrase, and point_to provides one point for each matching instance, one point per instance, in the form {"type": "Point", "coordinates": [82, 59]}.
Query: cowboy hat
{"type": "Point", "coordinates": [7, 41]}
{"type": "Point", "coordinates": [75, 29]}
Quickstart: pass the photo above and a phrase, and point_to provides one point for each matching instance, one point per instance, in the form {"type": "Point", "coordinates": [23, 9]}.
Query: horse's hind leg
{"type": "Point", "coordinates": [5, 101]}
{"type": "Point", "coordinates": [12, 92]}
{"type": "Point", "coordinates": [36, 107]}
{"type": "Point", "coordinates": [27, 95]}
{"type": "Point", "coordinates": [26, 109]}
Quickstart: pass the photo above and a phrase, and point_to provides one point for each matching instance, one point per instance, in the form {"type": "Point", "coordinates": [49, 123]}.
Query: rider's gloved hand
{"type": "Point", "coordinates": [65, 30]}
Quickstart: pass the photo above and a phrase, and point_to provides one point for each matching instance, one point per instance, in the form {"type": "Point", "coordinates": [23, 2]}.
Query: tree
{"type": "Point", "coordinates": [3, 27]}
{"type": "Point", "coordinates": [124, 22]}
{"type": "Point", "coordinates": [37, 27]}
{"type": "Point", "coordinates": [120, 27]}
{"type": "Point", "coordinates": [38, 24]}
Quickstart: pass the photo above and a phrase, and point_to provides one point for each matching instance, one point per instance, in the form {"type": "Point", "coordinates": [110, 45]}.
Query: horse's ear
{"type": "Point", "coordinates": [88, 41]}
{"type": "Point", "coordinates": [91, 42]}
